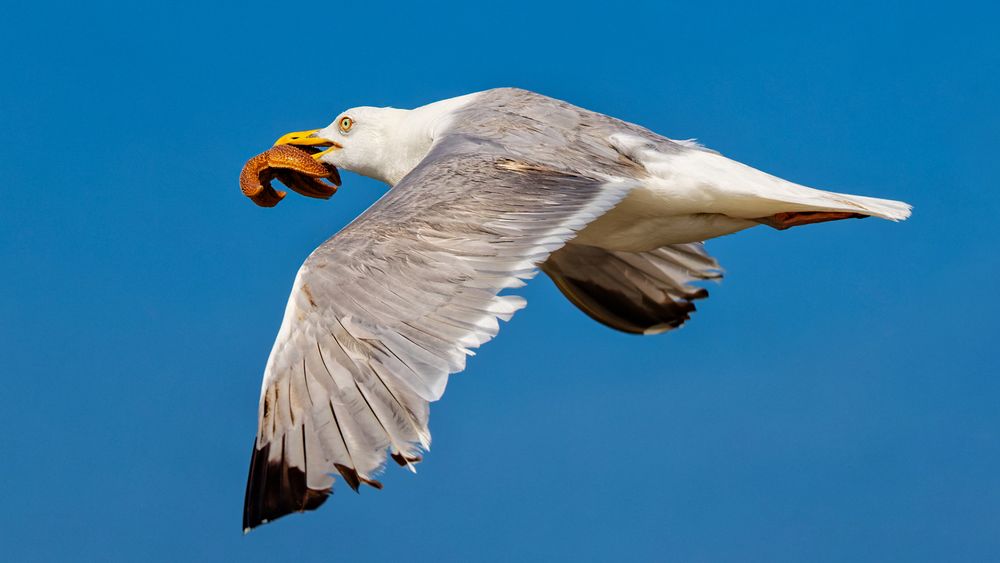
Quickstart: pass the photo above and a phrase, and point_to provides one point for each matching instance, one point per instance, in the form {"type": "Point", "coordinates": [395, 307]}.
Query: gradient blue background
{"type": "Point", "coordinates": [836, 399]}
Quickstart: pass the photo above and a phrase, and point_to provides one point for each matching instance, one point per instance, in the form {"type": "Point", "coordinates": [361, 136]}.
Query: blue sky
{"type": "Point", "coordinates": [834, 400]}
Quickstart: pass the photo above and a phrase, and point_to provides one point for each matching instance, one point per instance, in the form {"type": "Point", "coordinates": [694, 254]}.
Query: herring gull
{"type": "Point", "coordinates": [487, 188]}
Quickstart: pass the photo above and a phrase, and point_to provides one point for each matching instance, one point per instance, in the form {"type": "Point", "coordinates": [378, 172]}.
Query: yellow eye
{"type": "Point", "coordinates": [346, 123]}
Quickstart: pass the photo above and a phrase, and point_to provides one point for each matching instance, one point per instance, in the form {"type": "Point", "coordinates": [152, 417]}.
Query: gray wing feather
{"type": "Point", "coordinates": [384, 311]}
{"type": "Point", "coordinates": [635, 292]}
{"type": "Point", "coordinates": [558, 133]}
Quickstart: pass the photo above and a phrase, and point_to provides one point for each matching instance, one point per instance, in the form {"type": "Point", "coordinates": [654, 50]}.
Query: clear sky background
{"type": "Point", "coordinates": [836, 399]}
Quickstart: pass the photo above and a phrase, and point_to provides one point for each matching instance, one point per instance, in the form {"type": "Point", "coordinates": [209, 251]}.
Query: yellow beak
{"type": "Point", "coordinates": [308, 140]}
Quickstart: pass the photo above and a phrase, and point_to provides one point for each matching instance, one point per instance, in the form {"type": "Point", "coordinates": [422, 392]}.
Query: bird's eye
{"type": "Point", "coordinates": [346, 123]}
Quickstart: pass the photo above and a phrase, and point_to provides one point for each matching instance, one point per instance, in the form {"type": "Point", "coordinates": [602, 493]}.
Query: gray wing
{"type": "Point", "coordinates": [559, 134]}
{"type": "Point", "coordinates": [635, 292]}
{"type": "Point", "coordinates": [645, 292]}
{"type": "Point", "coordinates": [383, 312]}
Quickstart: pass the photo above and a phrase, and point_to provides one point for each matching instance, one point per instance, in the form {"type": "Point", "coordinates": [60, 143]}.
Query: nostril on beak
{"type": "Point", "coordinates": [299, 138]}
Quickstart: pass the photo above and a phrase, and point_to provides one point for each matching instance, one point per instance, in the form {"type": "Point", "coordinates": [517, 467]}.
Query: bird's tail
{"type": "Point", "coordinates": [743, 192]}
{"type": "Point", "coordinates": [791, 197]}
{"type": "Point", "coordinates": [699, 180]}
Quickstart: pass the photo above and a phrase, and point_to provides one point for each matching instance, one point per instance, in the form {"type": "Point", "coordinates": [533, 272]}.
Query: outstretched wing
{"type": "Point", "coordinates": [636, 292]}
{"type": "Point", "coordinates": [383, 312]}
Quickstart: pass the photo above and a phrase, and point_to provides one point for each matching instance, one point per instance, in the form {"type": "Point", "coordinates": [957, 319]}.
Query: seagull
{"type": "Point", "coordinates": [486, 189]}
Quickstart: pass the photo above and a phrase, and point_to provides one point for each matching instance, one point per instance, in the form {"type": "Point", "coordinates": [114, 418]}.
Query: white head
{"type": "Point", "coordinates": [364, 140]}
{"type": "Point", "coordinates": [381, 143]}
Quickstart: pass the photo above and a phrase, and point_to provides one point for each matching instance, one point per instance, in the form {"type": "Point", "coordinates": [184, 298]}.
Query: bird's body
{"type": "Point", "coordinates": [686, 193]}
{"type": "Point", "coordinates": [487, 188]}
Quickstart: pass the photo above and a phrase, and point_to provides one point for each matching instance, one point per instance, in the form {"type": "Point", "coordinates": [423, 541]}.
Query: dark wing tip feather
{"type": "Point", "coordinates": [403, 461]}
{"type": "Point", "coordinates": [350, 476]}
{"type": "Point", "coordinates": [632, 292]}
{"type": "Point", "coordinates": [619, 311]}
{"type": "Point", "coordinates": [275, 489]}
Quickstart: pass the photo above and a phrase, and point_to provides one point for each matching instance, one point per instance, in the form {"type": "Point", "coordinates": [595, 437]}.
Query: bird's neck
{"type": "Point", "coordinates": [413, 134]}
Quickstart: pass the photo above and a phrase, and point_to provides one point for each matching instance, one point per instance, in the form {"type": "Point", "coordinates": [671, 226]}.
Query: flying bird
{"type": "Point", "coordinates": [487, 188]}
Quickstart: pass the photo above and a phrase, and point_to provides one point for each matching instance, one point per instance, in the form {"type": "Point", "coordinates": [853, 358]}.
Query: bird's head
{"type": "Point", "coordinates": [373, 142]}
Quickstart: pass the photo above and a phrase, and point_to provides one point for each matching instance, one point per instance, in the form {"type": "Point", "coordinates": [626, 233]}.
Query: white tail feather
{"type": "Point", "coordinates": [703, 181]}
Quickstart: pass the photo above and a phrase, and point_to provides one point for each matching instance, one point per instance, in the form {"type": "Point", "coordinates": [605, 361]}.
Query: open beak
{"type": "Point", "coordinates": [294, 160]}
{"type": "Point", "coordinates": [309, 142]}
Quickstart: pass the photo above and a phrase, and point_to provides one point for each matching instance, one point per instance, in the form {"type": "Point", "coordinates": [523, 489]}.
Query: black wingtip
{"type": "Point", "coordinates": [355, 479]}
{"type": "Point", "coordinates": [275, 489]}
{"type": "Point", "coordinates": [403, 461]}
{"type": "Point", "coordinates": [350, 476]}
